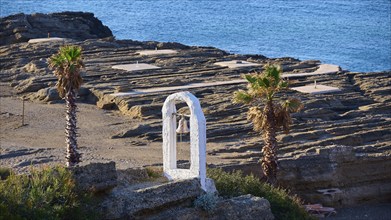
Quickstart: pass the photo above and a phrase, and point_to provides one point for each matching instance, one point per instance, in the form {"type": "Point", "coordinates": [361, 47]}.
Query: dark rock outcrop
{"type": "Point", "coordinates": [95, 177]}
{"type": "Point", "coordinates": [338, 175]}
{"type": "Point", "coordinates": [46, 95]}
{"type": "Point", "coordinates": [127, 202]}
{"type": "Point", "coordinates": [74, 25]}
{"type": "Point", "coordinates": [244, 207]}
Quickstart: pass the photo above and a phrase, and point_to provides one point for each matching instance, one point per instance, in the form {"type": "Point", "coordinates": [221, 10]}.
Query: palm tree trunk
{"type": "Point", "coordinates": [269, 159]}
{"type": "Point", "coordinates": [73, 156]}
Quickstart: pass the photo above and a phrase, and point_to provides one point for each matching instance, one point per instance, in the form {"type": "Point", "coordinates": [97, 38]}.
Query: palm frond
{"type": "Point", "coordinates": [257, 116]}
{"type": "Point", "coordinates": [66, 65]}
{"type": "Point", "coordinates": [251, 79]}
{"type": "Point", "coordinates": [266, 82]}
{"type": "Point", "coordinates": [283, 84]}
{"type": "Point", "coordinates": [274, 72]}
{"type": "Point", "coordinates": [242, 97]}
{"type": "Point", "coordinates": [261, 83]}
{"type": "Point", "coordinates": [283, 117]}
{"type": "Point", "coordinates": [293, 105]}
{"type": "Point", "coordinates": [61, 85]}
{"type": "Point", "coordinates": [283, 111]}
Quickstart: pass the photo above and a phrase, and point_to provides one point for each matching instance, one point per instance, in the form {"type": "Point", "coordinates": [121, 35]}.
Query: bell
{"type": "Point", "coordinates": [182, 127]}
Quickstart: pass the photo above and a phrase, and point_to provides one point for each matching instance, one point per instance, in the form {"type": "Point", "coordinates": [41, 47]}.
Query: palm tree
{"type": "Point", "coordinates": [261, 89]}
{"type": "Point", "coordinates": [66, 65]}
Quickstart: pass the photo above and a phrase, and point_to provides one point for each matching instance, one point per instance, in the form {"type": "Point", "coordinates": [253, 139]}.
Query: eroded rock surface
{"type": "Point", "coordinates": [338, 175]}
{"type": "Point", "coordinates": [95, 177]}
{"type": "Point", "coordinates": [174, 200]}
{"type": "Point", "coordinates": [241, 207]}
{"type": "Point", "coordinates": [74, 25]}
{"type": "Point", "coordinates": [128, 202]}
{"type": "Point", "coordinates": [357, 117]}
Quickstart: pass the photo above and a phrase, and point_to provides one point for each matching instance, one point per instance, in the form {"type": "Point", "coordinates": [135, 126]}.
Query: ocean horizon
{"type": "Point", "coordinates": [353, 34]}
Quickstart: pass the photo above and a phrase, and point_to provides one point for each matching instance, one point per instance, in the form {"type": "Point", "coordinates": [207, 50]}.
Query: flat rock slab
{"type": "Point", "coordinates": [236, 64]}
{"type": "Point", "coordinates": [156, 52]}
{"type": "Point", "coordinates": [319, 89]}
{"type": "Point", "coordinates": [176, 88]}
{"type": "Point", "coordinates": [128, 203]}
{"type": "Point", "coordinates": [42, 40]}
{"type": "Point", "coordinates": [323, 69]}
{"type": "Point", "coordinates": [135, 67]}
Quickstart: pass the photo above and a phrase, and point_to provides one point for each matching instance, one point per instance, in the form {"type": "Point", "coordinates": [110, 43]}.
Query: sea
{"type": "Point", "coordinates": [355, 34]}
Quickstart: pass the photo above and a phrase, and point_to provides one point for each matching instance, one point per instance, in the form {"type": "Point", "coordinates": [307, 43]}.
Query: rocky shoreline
{"type": "Point", "coordinates": [75, 25]}
{"type": "Point", "coordinates": [346, 135]}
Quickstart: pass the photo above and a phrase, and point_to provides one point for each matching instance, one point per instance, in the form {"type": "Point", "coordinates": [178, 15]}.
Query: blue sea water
{"type": "Point", "coordinates": [355, 34]}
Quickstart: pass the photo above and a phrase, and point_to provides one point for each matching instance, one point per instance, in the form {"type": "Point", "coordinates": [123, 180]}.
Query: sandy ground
{"type": "Point", "coordinates": [42, 140]}
{"type": "Point", "coordinates": [44, 130]}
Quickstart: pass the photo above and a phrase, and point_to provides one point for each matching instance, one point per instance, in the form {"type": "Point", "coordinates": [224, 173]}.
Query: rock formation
{"type": "Point", "coordinates": [74, 25]}
{"type": "Point", "coordinates": [241, 207]}
{"type": "Point", "coordinates": [358, 117]}
{"type": "Point", "coordinates": [90, 178]}
{"type": "Point", "coordinates": [338, 175]}
{"type": "Point", "coordinates": [133, 194]}
{"type": "Point", "coordinates": [174, 200]}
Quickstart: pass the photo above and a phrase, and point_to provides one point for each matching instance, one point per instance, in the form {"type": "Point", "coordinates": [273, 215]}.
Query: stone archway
{"type": "Point", "coordinates": [197, 139]}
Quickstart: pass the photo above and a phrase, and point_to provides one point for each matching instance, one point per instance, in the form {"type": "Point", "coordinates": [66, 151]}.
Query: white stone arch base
{"type": "Point", "coordinates": [197, 140]}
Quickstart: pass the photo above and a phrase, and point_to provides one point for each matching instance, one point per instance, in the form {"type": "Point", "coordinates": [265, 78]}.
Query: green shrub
{"type": "Point", "coordinates": [283, 205]}
{"type": "Point", "coordinates": [44, 194]}
{"type": "Point", "coordinates": [154, 172]}
{"type": "Point", "coordinates": [4, 173]}
{"type": "Point", "coordinates": [206, 202]}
